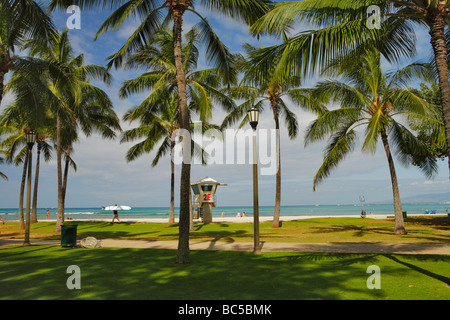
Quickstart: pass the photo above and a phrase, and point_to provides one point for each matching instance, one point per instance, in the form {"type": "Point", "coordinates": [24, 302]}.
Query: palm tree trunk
{"type": "Point", "coordinates": [438, 42]}
{"type": "Point", "coordinates": [2, 78]}
{"type": "Point", "coordinates": [276, 213]}
{"type": "Point", "coordinates": [399, 222]}
{"type": "Point", "coordinates": [172, 184]}
{"type": "Point", "coordinates": [22, 190]}
{"type": "Point", "coordinates": [60, 214]}
{"type": "Point", "coordinates": [36, 183]}
{"type": "Point", "coordinates": [183, 241]}
{"type": "Point", "coordinates": [26, 241]}
{"type": "Point", "coordinates": [65, 177]}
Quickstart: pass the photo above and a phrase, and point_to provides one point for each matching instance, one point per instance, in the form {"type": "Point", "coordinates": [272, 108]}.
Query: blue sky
{"type": "Point", "coordinates": [104, 177]}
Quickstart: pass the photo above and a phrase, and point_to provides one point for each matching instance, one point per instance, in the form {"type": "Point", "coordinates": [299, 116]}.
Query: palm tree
{"type": "Point", "coordinates": [430, 133]}
{"type": "Point", "coordinates": [74, 101]}
{"type": "Point", "coordinates": [43, 145]}
{"type": "Point", "coordinates": [260, 85]}
{"type": "Point", "coordinates": [20, 20]}
{"type": "Point", "coordinates": [344, 26]}
{"type": "Point", "coordinates": [149, 13]}
{"type": "Point", "coordinates": [159, 111]}
{"type": "Point", "coordinates": [368, 98]}
{"type": "Point", "coordinates": [156, 58]}
{"type": "Point", "coordinates": [26, 113]}
{"type": "Point", "coordinates": [154, 128]}
{"type": "Point", "coordinates": [10, 144]}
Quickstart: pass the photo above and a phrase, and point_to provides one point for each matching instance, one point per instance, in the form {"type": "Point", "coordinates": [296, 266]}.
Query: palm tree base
{"type": "Point", "coordinates": [400, 231]}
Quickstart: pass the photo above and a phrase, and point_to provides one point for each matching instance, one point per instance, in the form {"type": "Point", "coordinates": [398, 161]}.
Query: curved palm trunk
{"type": "Point", "coordinates": [179, 7]}
{"type": "Point", "coordinates": [36, 183]}
{"type": "Point", "coordinates": [2, 78]}
{"type": "Point", "coordinates": [172, 185]}
{"type": "Point", "coordinates": [276, 214]}
{"type": "Point", "coordinates": [60, 214]}
{"type": "Point", "coordinates": [438, 42]}
{"type": "Point", "coordinates": [399, 222]}
{"type": "Point", "coordinates": [22, 190]}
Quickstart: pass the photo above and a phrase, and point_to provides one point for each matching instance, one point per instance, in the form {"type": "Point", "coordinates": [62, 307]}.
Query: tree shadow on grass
{"type": "Point", "coordinates": [141, 274]}
{"type": "Point", "coordinates": [426, 272]}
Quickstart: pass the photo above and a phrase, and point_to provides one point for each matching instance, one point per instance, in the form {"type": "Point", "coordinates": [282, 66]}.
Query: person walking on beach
{"type": "Point", "coordinates": [115, 215]}
{"type": "Point", "coordinates": [2, 220]}
{"type": "Point", "coordinates": [48, 213]}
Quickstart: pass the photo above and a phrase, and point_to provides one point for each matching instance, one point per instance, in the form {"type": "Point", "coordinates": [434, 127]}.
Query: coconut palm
{"type": "Point", "coordinates": [27, 113]}
{"type": "Point", "coordinates": [75, 102]}
{"type": "Point", "coordinates": [258, 87]}
{"type": "Point", "coordinates": [154, 128]}
{"type": "Point", "coordinates": [16, 140]}
{"type": "Point", "coordinates": [344, 26]}
{"type": "Point", "coordinates": [158, 125]}
{"type": "Point", "coordinates": [368, 98]}
{"type": "Point", "coordinates": [158, 61]}
{"type": "Point", "coordinates": [432, 134]}
{"type": "Point", "coordinates": [42, 146]}
{"type": "Point", "coordinates": [157, 110]}
{"type": "Point", "coordinates": [20, 20]}
{"type": "Point", "coordinates": [150, 13]}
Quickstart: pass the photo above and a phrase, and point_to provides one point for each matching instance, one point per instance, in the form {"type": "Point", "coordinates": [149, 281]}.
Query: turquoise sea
{"type": "Point", "coordinates": [300, 210]}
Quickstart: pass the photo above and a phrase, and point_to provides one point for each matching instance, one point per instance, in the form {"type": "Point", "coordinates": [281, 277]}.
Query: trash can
{"type": "Point", "coordinates": [405, 214]}
{"type": "Point", "coordinates": [68, 235]}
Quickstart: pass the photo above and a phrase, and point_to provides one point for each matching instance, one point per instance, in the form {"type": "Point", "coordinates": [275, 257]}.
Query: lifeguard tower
{"type": "Point", "coordinates": [205, 198]}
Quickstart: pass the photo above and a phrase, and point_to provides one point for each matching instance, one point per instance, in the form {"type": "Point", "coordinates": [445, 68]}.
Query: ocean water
{"type": "Point", "coordinates": [301, 210]}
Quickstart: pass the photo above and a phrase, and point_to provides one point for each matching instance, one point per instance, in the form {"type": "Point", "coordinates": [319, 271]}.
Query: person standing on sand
{"type": "Point", "coordinates": [115, 215]}
{"type": "Point", "coordinates": [2, 220]}
{"type": "Point", "coordinates": [48, 213]}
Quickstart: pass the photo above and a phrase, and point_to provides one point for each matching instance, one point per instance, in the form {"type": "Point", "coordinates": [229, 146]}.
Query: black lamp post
{"type": "Point", "coordinates": [31, 139]}
{"type": "Point", "coordinates": [253, 115]}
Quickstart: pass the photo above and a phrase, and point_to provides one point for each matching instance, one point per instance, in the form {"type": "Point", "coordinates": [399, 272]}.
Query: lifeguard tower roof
{"type": "Point", "coordinates": [209, 180]}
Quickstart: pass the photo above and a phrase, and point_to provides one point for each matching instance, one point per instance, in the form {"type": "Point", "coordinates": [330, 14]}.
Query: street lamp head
{"type": "Point", "coordinates": [31, 138]}
{"type": "Point", "coordinates": [253, 116]}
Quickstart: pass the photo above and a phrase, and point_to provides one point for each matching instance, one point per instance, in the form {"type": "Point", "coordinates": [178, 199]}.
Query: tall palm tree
{"type": "Point", "coordinates": [344, 26]}
{"type": "Point", "coordinates": [43, 146]}
{"type": "Point", "coordinates": [368, 98]}
{"type": "Point", "coordinates": [16, 140]}
{"type": "Point", "coordinates": [154, 127]}
{"type": "Point", "coordinates": [159, 111]}
{"type": "Point", "coordinates": [150, 14]}
{"type": "Point", "coordinates": [27, 113]}
{"type": "Point", "coordinates": [259, 86]}
{"type": "Point", "coordinates": [157, 59]}
{"type": "Point", "coordinates": [20, 20]}
{"type": "Point", "coordinates": [159, 124]}
{"type": "Point", "coordinates": [75, 101]}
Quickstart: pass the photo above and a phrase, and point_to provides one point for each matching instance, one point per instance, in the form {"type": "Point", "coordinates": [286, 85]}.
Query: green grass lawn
{"type": "Point", "coordinates": [39, 272]}
{"type": "Point", "coordinates": [428, 229]}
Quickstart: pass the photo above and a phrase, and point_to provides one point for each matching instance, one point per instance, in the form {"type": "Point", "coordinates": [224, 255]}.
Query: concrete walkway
{"type": "Point", "coordinates": [377, 248]}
